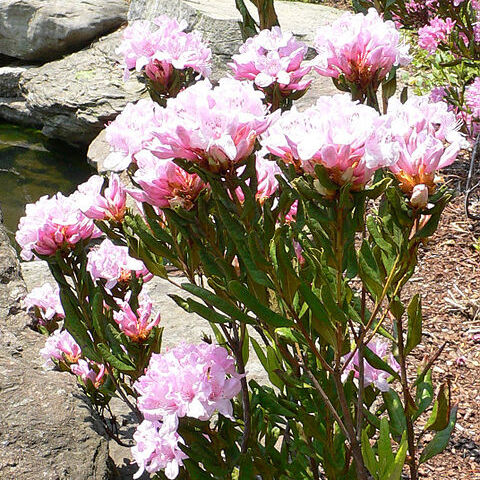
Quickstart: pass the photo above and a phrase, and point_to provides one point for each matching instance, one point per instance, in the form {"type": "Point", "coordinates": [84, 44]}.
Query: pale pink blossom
{"type": "Point", "coordinates": [432, 35]}
{"type": "Point", "coordinates": [162, 45]}
{"type": "Point", "coordinates": [372, 376]}
{"type": "Point", "coordinates": [273, 57]}
{"type": "Point", "coordinates": [156, 448]}
{"type": "Point", "coordinates": [107, 205]}
{"type": "Point", "coordinates": [419, 198]}
{"type": "Point", "coordinates": [215, 127]}
{"type": "Point", "coordinates": [332, 133]}
{"type": "Point", "coordinates": [113, 264]}
{"type": "Point", "coordinates": [417, 138]}
{"type": "Point", "coordinates": [60, 346]}
{"type": "Point", "coordinates": [188, 380]}
{"type": "Point", "coordinates": [89, 371]}
{"type": "Point", "coordinates": [361, 48]}
{"type": "Point", "coordinates": [136, 325]}
{"type": "Point", "coordinates": [472, 97]}
{"type": "Point", "coordinates": [130, 132]}
{"type": "Point", "coordinates": [47, 299]}
{"type": "Point", "coordinates": [164, 184]}
{"type": "Point", "coordinates": [52, 224]}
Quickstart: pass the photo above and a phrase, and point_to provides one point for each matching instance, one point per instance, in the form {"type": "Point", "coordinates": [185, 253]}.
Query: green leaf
{"type": "Point", "coordinates": [320, 320]}
{"type": "Point", "coordinates": [441, 411]}
{"type": "Point", "coordinates": [264, 313]}
{"type": "Point", "coordinates": [424, 394]}
{"type": "Point", "coordinates": [369, 271]}
{"type": "Point", "coordinates": [98, 318]}
{"type": "Point", "coordinates": [376, 362]}
{"type": "Point", "coordinates": [113, 360]}
{"type": "Point", "coordinates": [395, 411]}
{"type": "Point", "coordinates": [192, 306]}
{"type": "Point", "coordinates": [440, 440]}
{"type": "Point", "coordinates": [414, 334]}
{"type": "Point", "coordinates": [218, 302]}
{"type": "Point", "coordinates": [396, 467]}
{"type": "Point", "coordinates": [369, 455]}
{"type": "Point", "coordinates": [385, 454]}
{"type": "Point", "coordinates": [74, 324]}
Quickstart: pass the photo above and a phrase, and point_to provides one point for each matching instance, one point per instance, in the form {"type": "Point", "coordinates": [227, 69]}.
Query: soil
{"type": "Point", "coordinates": [447, 277]}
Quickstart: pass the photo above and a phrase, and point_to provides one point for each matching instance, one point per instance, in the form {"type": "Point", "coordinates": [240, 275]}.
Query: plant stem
{"type": "Point", "coordinates": [406, 398]}
{"type": "Point", "coordinates": [243, 381]}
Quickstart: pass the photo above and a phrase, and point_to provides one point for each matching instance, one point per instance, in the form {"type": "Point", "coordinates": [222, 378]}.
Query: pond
{"type": "Point", "coordinates": [31, 165]}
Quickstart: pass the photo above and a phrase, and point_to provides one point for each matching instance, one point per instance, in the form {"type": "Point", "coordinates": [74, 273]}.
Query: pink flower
{"type": "Point", "coordinates": [361, 48]}
{"type": "Point", "coordinates": [162, 45]}
{"type": "Point", "coordinates": [372, 376]}
{"type": "Point", "coordinates": [157, 447]}
{"type": "Point", "coordinates": [188, 380]}
{"type": "Point", "coordinates": [272, 57]}
{"type": "Point", "coordinates": [52, 224]}
{"type": "Point", "coordinates": [62, 347]}
{"type": "Point", "coordinates": [89, 371]}
{"type": "Point", "coordinates": [437, 94]}
{"type": "Point", "coordinates": [412, 138]}
{"type": "Point", "coordinates": [47, 299]}
{"type": "Point", "coordinates": [164, 184]}
{"type": "Point", "coordinates": [436, 32]}
{"type": "Point", "coordinates": [332, 133]}
{"type": "Point", "coordinates": [472, 97]}
{"type": "Point", "coordinates": [215, 127]}
{"type": "Point", "coordinates": [109, 205]}
{"type": "Point", "coordinates": [136, 325]}
{"type": "Point", "coordinates": [113, 264]}
{"type": "Point", "coordinates": [130, 132]}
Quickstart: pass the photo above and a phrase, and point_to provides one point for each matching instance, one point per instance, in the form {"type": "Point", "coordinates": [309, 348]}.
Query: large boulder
{"type": "Point", "coordinates": [39, 30]}
{"type": "Point", "coordinates": [46, 429]}
{"type": "Point", "coordinates": [71, 99]}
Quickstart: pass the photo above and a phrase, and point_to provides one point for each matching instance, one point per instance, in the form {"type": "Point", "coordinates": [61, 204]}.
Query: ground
{"type": "Point", "coordinates": [447, 276]}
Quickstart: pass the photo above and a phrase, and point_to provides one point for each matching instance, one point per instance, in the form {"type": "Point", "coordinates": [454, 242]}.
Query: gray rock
{"type": "Point", "coordinates": [39, 30]}
{"type": "Point", "coordinates": [73, 98]}
{"type": "Point", "coordinates": [46, 428]}
{"type": "Point", "coordinates": [98, 151]}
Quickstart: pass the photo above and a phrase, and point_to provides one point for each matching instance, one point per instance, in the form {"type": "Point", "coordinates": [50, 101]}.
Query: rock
{"type": "Point", "coordinates": [9, 81]}
{"type": "Point", "coordinates": [98, 151]}
{"type": "Point", "coordinates": [73, 98]}
{"type": "Point", "coordinates": [38, 30]}
{"type": "Point", "coordinates": [46, 429]}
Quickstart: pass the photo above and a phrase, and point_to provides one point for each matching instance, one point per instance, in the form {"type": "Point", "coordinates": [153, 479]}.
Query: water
{"type": "Point", "coordinates": [31, 166]}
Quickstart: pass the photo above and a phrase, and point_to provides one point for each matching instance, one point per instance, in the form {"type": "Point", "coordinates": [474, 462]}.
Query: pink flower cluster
{"type": "Point", "coordinates": [160, 46]}
{"type": "Point", "coordinates": [52, 224]}
{"type": "Point", "coordinates": [47, 300]}
{"type": "Point", "coordinates": [272, 57]}
{"type": "Point", "coordinates": [130, 132]}
{"type": "Point", "coordinates": [109, 205]}
{"type": "Point", "coordinates": [157, 447]}
{"type": "Point", "coordinates": [136, 325]}
{"type": "Point", "coordinates": [89, 372]}
{"type": "Point", "coordinates": [372, 376]}
{"type": "Point", "coordinates": [360, 48]}
{"type": "Point", "coordinates": [188, 380]}
{"type": "Point", "coordinates": [432, 35]}
{"type": "Point", "coordinates": [164, 184]}
{"type": "Point", "coordinates": [215, 127]}
{"type": "Point", "coordinates": [412, 138]}
{"type": "Point", "coordinates": [113, 264]}
{"type": "Point", "coordinates": [62, 347]}
{"type": "Point", "coordinates": [472, 98]}
{"type": "Point", "coordinates": [332, 133]}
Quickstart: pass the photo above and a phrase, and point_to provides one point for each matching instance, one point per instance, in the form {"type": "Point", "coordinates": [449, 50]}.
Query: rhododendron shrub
{"type": "Point", "coordinates": [296, 233]}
